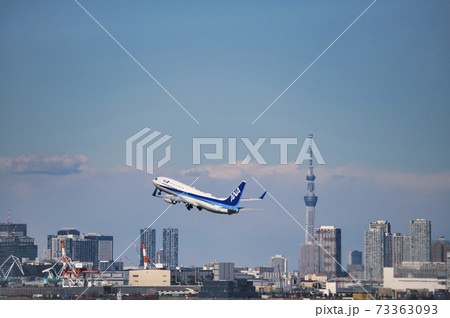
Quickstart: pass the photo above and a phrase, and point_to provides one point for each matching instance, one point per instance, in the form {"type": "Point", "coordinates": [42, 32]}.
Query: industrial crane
{"type": "Point", "coordinates": [8, 225]}
{"type": "Point", "coordinates": [137, 250]}
{"type": "Point", "coordinates": [53, 276]}
{"type": "Point", "coordinates": [13, 231]}
{"type": "Point", "coordinates": [128, 260]}
{"type": "Point", "coordinates": [4, 274]}
{"type": "Point", "coordinates": [71, 275]}
{"type": "Point", "coordinates": [146, 259]}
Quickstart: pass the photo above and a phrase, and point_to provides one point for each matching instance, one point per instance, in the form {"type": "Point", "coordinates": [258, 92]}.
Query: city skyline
{"type": "Point", "coordinates": [206, 259]}
{"type": "Point", "coordinates": [376, 102]}
{"type": "Point", "coordinates": [383, 248]}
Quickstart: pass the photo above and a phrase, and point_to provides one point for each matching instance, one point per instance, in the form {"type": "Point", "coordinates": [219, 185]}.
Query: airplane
{"type": "Point", "coordinates": [178, 192]}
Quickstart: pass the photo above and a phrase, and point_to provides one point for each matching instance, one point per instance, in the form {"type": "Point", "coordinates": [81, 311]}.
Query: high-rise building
{"type": "Point", "coordinates": [55, 246]}
{"type": "Point", "coordinates": [420, 231]}
{"type": "Point", "coordinates": [279, 263]}
{"type": "Point", "coordinates": [86, 251]}
{"type": "Point", "coordinates": [355, 266]}
{"type": "Point", "coordinates": [105, 245]}
{"type": "Point", "coordinates": [397, 249]}
{"type": "Point", "coordinates": [280, 266]}
{"type": "Point", "coordinates": [309, 251]}
{"type": "Point", "coordinates": [381, 225]}
{"type": "Point", "coordinates": [388, 250]}
{"type": "Point", "coordinates": [67, 235]}
{"type": "Point", "coordinates": [13, 229]}
{"type": "Point", "coordinates": [406, 248]}
{"type": "Point", "coordinates": [439, 250]}
{"type": "Point", "coordinates": [160, 256]}
{"type": "Point", "coordinates": [69, 231]}
{"type": "Point", "coordinates": [329, 240]}
{"type": "Point", "coordinates": [170, 246]}
{"type": "Point", "coordinates": [148, 237]}
{"type": "Point", "coordinates": [355, 258]}
{"type": "Point", "coordinates": [309, 255]}
{"type": "Point", "coordinates": [375, 253]}
{"type": "Point", "coordinates": [222, 270]}
{"type": "Point", "coordinates": [14, 241]}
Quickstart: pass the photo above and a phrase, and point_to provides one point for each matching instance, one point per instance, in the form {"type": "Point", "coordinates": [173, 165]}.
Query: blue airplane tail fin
{"type": "Point", "coordinates": [235, 196]}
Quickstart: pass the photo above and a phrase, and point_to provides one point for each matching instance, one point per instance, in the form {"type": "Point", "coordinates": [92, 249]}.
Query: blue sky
{"type": "Point", "coordinates": [377, 99]}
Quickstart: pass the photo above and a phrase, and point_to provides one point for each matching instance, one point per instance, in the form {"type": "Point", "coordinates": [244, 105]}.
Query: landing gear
{"type": "Point", "coordinates": [189, 206]}
{"type": "Point", "coordinates": [156, 191]}
{"type": "Point", "coordinates": [199, 208]}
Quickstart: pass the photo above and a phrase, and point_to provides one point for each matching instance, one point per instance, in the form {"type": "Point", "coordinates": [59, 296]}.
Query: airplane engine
{"type": "Point", "coordinates": [169, 201]}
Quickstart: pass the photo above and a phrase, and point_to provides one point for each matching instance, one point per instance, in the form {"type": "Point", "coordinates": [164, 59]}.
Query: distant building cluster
{"type": "Point", "coordinates": [94, 249]}
{"type": "Point", "coordinates": [168, 255]}
{"type": "Point", "coordinates": [404, 258]}
{"type": "Point", "coordinates": [384, 249]}
{"type": "Point", "coordinates": [384, 252]}
{"type": "Point", "coordinates": [15, 241]}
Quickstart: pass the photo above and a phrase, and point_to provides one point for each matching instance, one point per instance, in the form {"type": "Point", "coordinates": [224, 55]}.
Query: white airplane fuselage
{"type": "Point", "coordinates": [178, 192]}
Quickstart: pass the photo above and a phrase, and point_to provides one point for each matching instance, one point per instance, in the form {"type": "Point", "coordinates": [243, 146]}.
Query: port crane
{"type": "Point", "coordinates": [4, 273]}
{"type": "Point", "coordinates": [70, 275]}
{"type": "Point", "coordinates": [53, 275]}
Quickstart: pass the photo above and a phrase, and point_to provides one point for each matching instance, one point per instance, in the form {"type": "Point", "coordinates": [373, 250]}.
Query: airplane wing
{"type": "Point", "coordinates": [174, 198]}
{"type": "Point", "coordinates": [255, 199]}
{"type": "Point", "coordinates": [249, 209]}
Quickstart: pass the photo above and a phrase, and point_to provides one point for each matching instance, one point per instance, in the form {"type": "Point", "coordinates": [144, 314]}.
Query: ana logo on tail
{"type": "Point", "coordinates": [235, 193]}
{"type": "Point", "coordinates": [235, 196]}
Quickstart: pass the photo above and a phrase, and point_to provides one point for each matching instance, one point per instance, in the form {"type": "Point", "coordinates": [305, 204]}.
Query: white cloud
{"type": "Point", "coordinates": [229, 172]}
{"type": "Point", "coordinates": [5, 163]}
{"type": "Point", "coordinates": [53, 164]}
{"type": "Point", "coordinates": [427, 182]}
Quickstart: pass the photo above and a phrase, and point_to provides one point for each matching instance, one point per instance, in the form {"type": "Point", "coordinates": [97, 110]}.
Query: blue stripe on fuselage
{"type": "Point", "coordinates": [200, 197]}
